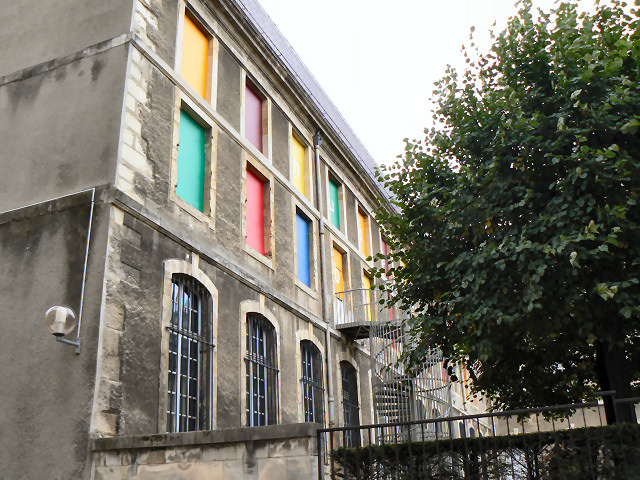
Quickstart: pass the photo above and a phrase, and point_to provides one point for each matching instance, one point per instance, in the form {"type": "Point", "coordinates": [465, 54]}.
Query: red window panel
{"type": "Point", "coordinates": [255, 212]}
{"type": "Point", "coordinates": [253, 118]}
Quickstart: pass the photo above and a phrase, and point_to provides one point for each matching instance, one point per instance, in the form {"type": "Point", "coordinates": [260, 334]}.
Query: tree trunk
{"type": "Point", "coordinates": [613, 373]}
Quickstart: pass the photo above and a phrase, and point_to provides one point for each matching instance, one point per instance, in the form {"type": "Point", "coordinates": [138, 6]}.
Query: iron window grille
{"type": "Point", "coordinates": [350, 406]}
{"type": "Point", "coordinates": [262, 372]}
{"type": "Point", "coordinates": [190, 356]}
{"type": "Point", "coordinates": [312, 391]}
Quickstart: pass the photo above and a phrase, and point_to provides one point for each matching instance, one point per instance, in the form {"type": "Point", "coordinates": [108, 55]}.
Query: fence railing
{"type": "Point", "coordinates": [564, 442]}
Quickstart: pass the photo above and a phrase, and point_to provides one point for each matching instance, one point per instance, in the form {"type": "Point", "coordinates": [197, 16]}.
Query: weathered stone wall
{"type": "Point", "coordinates": [36, 31]}
{"type": "Point", "coordinates": [129, 389]}
{"type": "Point", "coordinates": [60, 126]}
{"type": "Point", "coordinates": [286, 452]}
{"type": "Point", "coordinates": [47, 389]}
{"type": "Point", "coordinates": [153, 225]}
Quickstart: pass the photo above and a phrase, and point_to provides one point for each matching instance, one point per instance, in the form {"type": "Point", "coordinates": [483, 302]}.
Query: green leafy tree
{"type": "Point", "coordinates": [517, 235]}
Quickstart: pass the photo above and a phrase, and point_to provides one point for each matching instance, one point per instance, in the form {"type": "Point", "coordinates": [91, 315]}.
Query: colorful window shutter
{"type": "Point", "coordinates": [255, 212]}
{"type": "Point", "coordinates": [366, 284]}
{"type": "Point", "coordinates": [302, 238]}
{"type": "Point", "coordinates": [334, 203]}
{"type": "Point", "coordinates": [191, 159]}
{"type": "Point", "coordinates": [338, 275]}
{"type": "Point", "coordinates": [195, 52]}
{"type": "Point", "coordinates": [362, 234]}
{"type": "Point", "coordinates": [253, 118]}
{"type": "Point", "coordinates": [298, 161]}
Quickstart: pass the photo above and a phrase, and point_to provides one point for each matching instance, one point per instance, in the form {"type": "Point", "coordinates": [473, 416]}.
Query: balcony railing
{"type": "Point", "coordinates": [355, 311]}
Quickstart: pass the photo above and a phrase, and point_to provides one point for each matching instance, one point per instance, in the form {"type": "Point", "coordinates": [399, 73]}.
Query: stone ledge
{"type": "Point", "coordinates": [208, 437]}
{"type": "Point", "coordinates": [55, 205]}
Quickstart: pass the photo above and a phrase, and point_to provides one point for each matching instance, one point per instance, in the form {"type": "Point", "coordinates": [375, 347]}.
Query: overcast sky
{"type": "Point", "coordinates": [377, 60]}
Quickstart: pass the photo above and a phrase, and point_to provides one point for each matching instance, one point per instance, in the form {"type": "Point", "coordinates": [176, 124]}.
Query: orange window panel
{"type": "Point", "coordinates": [362, 234]}
{"type": "Point", "coordinates": [195, 54]}
{"type": "Point", "coordinates": [298, 165]}
{"type": "Point", "coordinates": [338, 274]}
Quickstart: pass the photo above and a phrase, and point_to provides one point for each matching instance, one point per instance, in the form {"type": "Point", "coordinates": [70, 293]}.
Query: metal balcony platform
{"type": "Point", "coordinates": [356, 330]}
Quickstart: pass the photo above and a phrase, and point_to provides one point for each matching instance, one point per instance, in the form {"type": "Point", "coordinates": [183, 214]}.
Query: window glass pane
{"type": "Point", "coordinates": [191, 159]}
{"type": "Point", "coordinates": [195, 51]}
{"type": "Point", "coordinates": [302, 239]}
{"type": "Point", "coordinates": [262, 372]}
{"type": "Point", "coordinates": [334, 203]}
{"type": "Point", "coordinates": [362, 234]}
{"type": "Point", "coordinates": [312, 391]}
{"type": "Point", "coordinates": [298, 165]}
{"type": "Point", "coordinates": [350, 406]}
{"type": "Point", "coordinates": [253, 118]}
{"type": "Point", "coordinates": [255, 212]}
{"type": "Point", "coordinates": [189, 381]}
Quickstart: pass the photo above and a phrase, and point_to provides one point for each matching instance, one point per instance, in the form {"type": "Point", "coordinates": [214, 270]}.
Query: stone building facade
{"type": "Point", "coordinates": [172, 172]}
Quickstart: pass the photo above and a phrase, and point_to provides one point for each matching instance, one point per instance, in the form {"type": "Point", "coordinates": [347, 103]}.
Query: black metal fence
{"type": "Point", "coordinates": [563, 442]}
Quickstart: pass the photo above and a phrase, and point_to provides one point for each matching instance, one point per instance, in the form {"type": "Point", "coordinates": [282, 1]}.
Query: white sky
{"type": "Point", "coordinates": [377, 60]}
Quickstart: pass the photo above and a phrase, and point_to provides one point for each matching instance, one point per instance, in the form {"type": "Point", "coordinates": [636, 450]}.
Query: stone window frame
{"type": "Point", "coordinates": [346, 272]}
{"type": "Point", "coordinates": [187, 9]}
{"type": "Point", "coordinates": [259, 307]}
{"type": "Point", "coordinates": [207, 216]}
{"type": "Point", "coordinates": [246, 81]}
{"type": "Point", "coordinates": [331, 174]}
{"type": "Point", "coordinates": [171, 267]}
{"type": "Point", "coordinates": [314, 259]}
{"type": "Point", "coordinates": [294, 133]}
{"type": "Point", "coordinates": [306, 334]}
{"type": "Point", "coordinates": [269, 215]}
{"type": "Point", "coordinates": [361, 210]}
{"type": "Point", "coordinates": [347, 359]}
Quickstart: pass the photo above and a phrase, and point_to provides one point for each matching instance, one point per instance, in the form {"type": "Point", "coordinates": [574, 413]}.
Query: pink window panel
{"type": "Point", "coordinates": [253, 118]}
{"type": "Point", "coordinates": [255, 212]}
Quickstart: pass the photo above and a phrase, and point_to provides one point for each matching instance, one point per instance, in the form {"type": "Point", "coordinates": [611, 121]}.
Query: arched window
{"type": "Point", "coordinates": [350, 405]}
{"type": "Point", "coordinates": [262, 372]}
{"type": "Point", "coordinates": [190, 354]}
{"type": "Point", "coordinates": [312, 391]}
{"type": "Point", "coordinates": [435, 413]}
{"type": "Point", "coordinates": [463, 429]}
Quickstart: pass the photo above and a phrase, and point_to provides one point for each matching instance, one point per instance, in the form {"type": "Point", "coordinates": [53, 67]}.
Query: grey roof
{"type": "Point", "coordinates": [256, 15]}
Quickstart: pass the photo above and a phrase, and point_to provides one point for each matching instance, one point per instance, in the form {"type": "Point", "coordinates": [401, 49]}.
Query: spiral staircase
{"type": "Point", "coordinates": [399, 394]}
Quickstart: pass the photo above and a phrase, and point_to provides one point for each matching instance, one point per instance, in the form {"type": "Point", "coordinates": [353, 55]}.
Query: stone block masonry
{"type": "Point", "coordinates": [282, 452]}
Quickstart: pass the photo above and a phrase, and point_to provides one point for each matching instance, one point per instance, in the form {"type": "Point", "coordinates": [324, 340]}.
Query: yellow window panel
{"type": "Point", "coordinates": [362, 234]}
{"type": "Point", "coordinates": [298, 165]}
{"type": "Point", "coordinates": [195, 52]}
{"type": "Point", "coordinates": [366, 283]}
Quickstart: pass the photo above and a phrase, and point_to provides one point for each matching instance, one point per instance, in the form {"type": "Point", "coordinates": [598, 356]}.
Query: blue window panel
{"type": "Point", "coordinates": [302, 237]}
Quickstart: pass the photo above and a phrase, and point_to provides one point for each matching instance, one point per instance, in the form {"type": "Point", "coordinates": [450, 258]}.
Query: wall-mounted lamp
{"type": "Point", "coordinates": [61, 321]}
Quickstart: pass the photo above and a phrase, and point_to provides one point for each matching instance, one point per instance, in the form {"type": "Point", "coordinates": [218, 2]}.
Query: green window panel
{"type": "Point", "coordinates": [191, 158]}
{"type": "Point", "coordinates": [334, 203]}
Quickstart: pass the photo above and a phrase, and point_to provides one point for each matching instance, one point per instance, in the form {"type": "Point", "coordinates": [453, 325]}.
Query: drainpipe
{"type": "Point", "coordinates": [84, 268]}
{"type": "Point", "coordinates": [78, 342]}
{"type": "Point", "coordinates": [317, 140]}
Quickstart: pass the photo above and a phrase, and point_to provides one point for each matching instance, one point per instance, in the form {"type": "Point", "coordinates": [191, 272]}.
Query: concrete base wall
{"type": "Point", "coordinates": [282, 452]}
